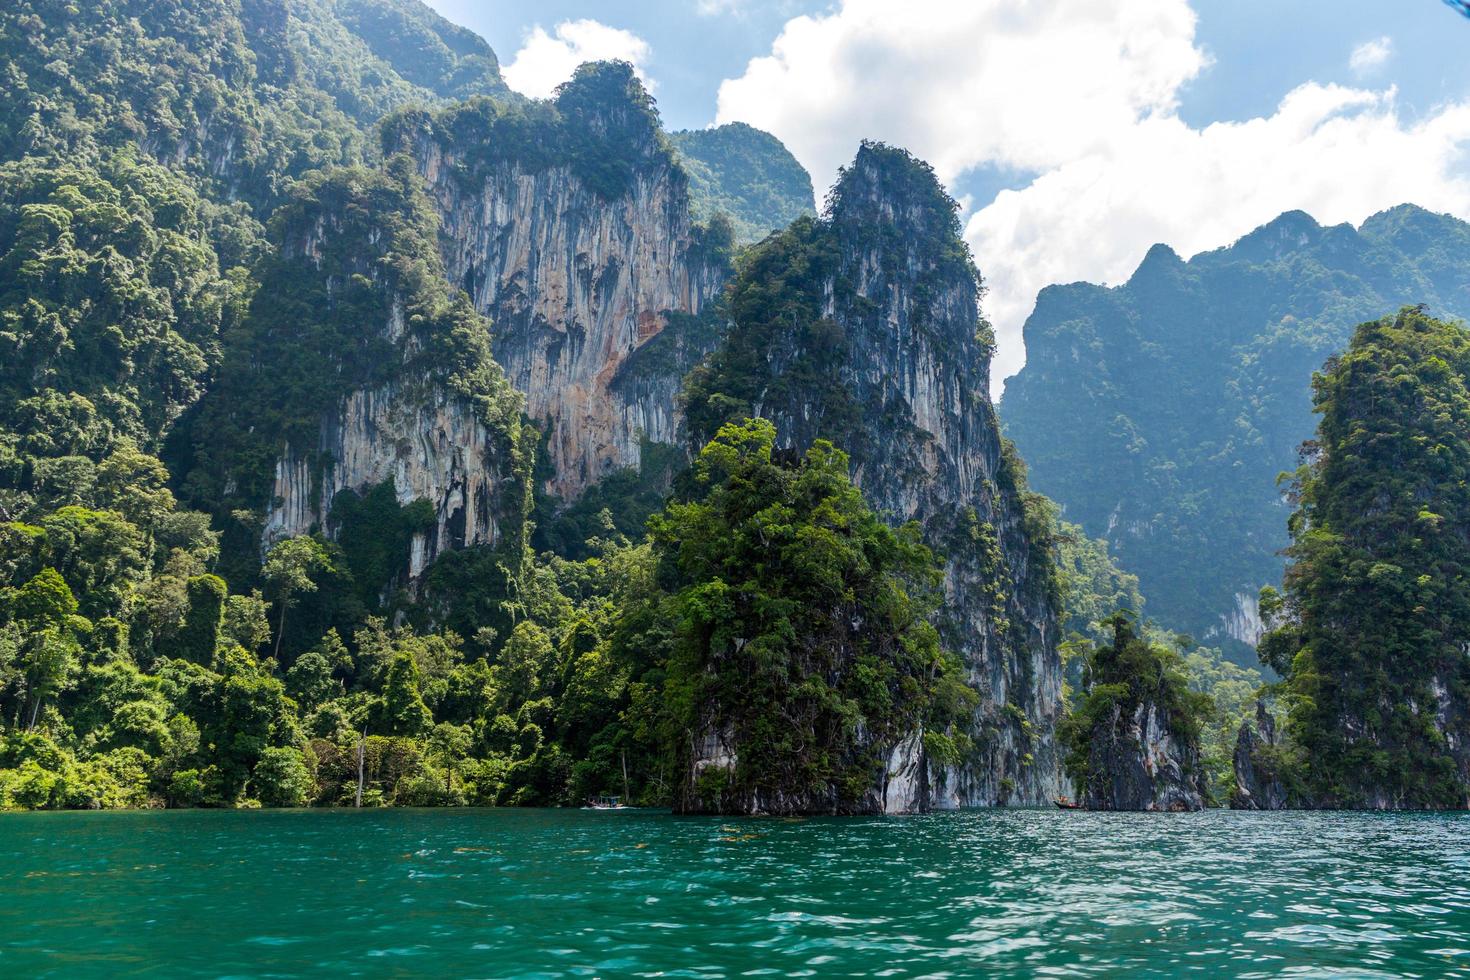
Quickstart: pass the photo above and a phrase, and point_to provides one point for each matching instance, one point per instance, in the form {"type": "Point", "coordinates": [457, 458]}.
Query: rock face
{"type": "Point", "coordinates": [1257, 785]}
{"type": "Point", "coordinates": [428, 443]}
{"type": "Point", "coordinates": [891, 363]}
{"type": "Point", "coordinates": [594, 277]}
{"type": "Point", "coordinates": [357, 365]}
{"type": "Point", "coordinates": [1139, 764]}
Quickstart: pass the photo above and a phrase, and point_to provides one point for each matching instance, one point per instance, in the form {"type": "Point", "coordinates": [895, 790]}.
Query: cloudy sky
{"type": "Point", "coordinates": [1076, 133]}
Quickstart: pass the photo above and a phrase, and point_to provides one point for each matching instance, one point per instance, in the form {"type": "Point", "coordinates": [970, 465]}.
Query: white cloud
{"type": "Point", "coordinates": [960, 82]}
{"type": "Point", "coordinates": [714, 8]}
{"type": "Point", "coordinates": [1084, 95]}
{"type": "Point", "coordinates": [1371, 55]}
{"type": "Point", "coordinates": [546, 60]}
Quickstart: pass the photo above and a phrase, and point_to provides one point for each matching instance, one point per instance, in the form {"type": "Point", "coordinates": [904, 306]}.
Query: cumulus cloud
{"type": "Point", "coordinates": [1371, 55]}
{"type": "Point", "coordinates": [1086, 97]}
{"type": "Point", "coordinates": [961, 82]}
{"type": "Point", "coordinates": [546, 60]}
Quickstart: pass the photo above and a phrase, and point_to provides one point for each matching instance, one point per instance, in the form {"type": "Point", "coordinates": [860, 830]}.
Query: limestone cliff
{"type": "Point", "coordinates": [428, 443]}
{"type": "Point", "coordinates": [864, 328]}
{"type": "Point", "coordinates": [568, 224]}
{"type": "Point", "coordinates": [1139, 762]}
{"type": "Point", "coordinates": [1133, 737]}
{"type": "Point", "coordinates": [357, 365]}
{"type": "Point", "coordinates": [1159, 412]}
{"type": "Point", "coordinates": [1258, 782]}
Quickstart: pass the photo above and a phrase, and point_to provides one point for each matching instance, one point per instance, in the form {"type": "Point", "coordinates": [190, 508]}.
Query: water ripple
{"type": "Point", "coordinates": [570, 894]}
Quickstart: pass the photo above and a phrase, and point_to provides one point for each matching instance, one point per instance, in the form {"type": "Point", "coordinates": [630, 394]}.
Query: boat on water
{"type": "Point", "coordinates": [1065, 803]}
{"type": "Point", "coordinates": [606, 803]}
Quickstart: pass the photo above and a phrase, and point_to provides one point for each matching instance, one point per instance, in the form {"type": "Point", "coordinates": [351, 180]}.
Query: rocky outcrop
{"type": "Point", "coordinates": [586, 261]}
{"type": "Point", "coordinates": [887, 357]}
{"type": "Point", "coordinates": [356, 366]}
{"type": "Point", "coordinates": [429, 444]}
{"type": "Point", "coordinates": [1258, 784]}
{"type": "Point", "coordinates": [1137, 762]}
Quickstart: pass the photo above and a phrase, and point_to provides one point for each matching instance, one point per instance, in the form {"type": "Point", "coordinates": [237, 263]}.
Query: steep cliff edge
{"type": "Point", "coordinates": [1259, 782]}
{"type": "Point", "coordinates": [356, 366]}
{"type": "Point", "coordinates": [1369, 632]}
{"type": "Point", "coordinates": [864, 328]}
{"type": "Point", "coordinates": [568, 224]}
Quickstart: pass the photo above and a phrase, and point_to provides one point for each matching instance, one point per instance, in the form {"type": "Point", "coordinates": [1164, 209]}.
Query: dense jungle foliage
{"type": "Point", "coordinates": [1371, 629]}
{"type": "Point", "coordinates": [1159, 413]}
{"type": "Point", "coordinates": [206, 240]}
{"type": "Point", "coordinates": [803, 630]}
{"type": "Point", "coordinates": [747, 174]}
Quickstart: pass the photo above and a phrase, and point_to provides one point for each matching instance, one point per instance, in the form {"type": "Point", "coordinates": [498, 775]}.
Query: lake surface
{"type": "Point", "coordinates": [544, 893]}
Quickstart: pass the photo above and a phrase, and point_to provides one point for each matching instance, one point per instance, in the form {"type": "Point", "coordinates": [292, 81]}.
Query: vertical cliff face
{"type": "Point", "coordinates": [357, 366]}
{"type": "Point", "coordinates": [1258, 781]}
{"type": "Point", "coordinates": [429, 444]}
{"type": "Point", "coordinates": [1138, 762]}
{"type": "Point", "coordinates": [568, 223]}
{"type": "Point", "coordinates": [864, 328]}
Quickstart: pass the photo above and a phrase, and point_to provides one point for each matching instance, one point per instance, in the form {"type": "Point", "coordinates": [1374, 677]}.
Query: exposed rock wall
{"type": "Point", "coordinates": [1139, 764]}
{"type": "Point", "coordinates": [913, 381]}
{"type": "Point", "coordinates": [356, 365]}
{"type": "Point", "coordinates": [577, 284]}
{"type": "Point", "coordinates": [1258, 786]}
{"type": "Point", "coordinates": [429, 444]}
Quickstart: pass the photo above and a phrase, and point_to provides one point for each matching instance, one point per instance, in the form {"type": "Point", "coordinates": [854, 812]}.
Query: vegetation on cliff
{"type": "Point", "coordinates": [602, 125]}
{"type": "Point", "coordinates": [1133, 738]}
{"type": "Point", "coordinates": [1370, 631]}
{"type": "Point", "coordinates": [801, 632]}
{"type": "Point", "coordinates": [352, 297]}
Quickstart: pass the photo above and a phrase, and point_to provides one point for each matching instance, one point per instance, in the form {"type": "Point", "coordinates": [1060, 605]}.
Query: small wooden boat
{"type": "Point", "coordinates": [606, 803]}
{"type": "Point", "coordinates": [1064, 803]}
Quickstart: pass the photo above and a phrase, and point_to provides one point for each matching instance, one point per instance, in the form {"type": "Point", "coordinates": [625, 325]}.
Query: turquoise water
{"type": "Point", "coordinates": [569, 893]}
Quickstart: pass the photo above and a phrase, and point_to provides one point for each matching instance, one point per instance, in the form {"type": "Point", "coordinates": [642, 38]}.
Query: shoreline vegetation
{"type": "Point", "coordinates": [278, 528]}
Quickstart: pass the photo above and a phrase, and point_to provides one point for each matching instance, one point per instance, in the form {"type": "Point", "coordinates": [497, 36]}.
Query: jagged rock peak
{"type": "Point", "coordinates": [887, 186]}
{"type": "Point", "coordinates": [864, 328]}
{"type": "Point", "coordinates": [1258, 783]}
{"type": "Point", "coordinates": [1160, 258]}
{"type": "Point", "coordinates": [602, 125]}
{"type": "Point", "coordinates": [1278, 237]}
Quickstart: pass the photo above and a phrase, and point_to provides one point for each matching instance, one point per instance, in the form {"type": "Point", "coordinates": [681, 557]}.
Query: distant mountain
{"type": "Point", "coordinates": [1160, 412]}
{"type": "Point", "coordinates": [746, 173]}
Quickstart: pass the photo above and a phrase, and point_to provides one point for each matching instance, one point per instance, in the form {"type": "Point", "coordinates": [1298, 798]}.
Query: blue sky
{"type": "Point", "coordinates": [1075, 132]}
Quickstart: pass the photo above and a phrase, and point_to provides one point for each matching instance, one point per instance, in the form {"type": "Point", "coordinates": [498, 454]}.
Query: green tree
{"type": "Point", "coordinates": [204, 623]}
{"type": "Point", "coordinates": [802, 623]}
{"type": "Point", "coordinates": [310, 681]}
{"type": "Point", "coordinates": [404, 711]}
{"type": "Point", "coordinates": [287, 572]}
{"type": "Point", "coordinates": [282, 779]}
